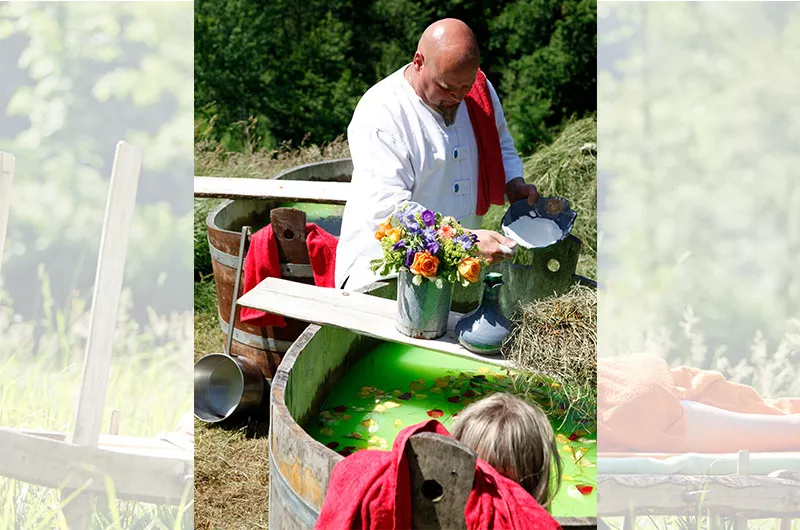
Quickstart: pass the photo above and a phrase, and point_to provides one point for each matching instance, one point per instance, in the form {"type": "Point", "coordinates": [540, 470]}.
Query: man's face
{"type": "Point", "coordinates": [442, 85]}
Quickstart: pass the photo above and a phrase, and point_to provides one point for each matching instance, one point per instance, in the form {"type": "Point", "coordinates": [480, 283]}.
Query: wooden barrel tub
{"type": "Point", "coordinates": [300, 466]}
{"type": "Point", "coordinates": [264, 346]}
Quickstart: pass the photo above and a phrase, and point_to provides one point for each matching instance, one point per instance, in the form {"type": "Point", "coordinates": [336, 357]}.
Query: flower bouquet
{"type": "Point", "coordinates": [430, 252]}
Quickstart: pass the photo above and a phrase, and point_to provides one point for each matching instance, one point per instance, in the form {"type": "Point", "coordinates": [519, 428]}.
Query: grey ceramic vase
{"type": "Point", "coordinates": [483, 330]}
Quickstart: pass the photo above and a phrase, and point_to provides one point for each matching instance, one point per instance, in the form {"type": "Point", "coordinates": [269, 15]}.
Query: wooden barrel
{"type": "Point", "coordinates": [300, 466]}
{"type": "Point", "coordinates": [264, 346]}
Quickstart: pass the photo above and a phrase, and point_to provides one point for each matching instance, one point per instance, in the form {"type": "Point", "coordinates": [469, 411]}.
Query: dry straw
{"type": "Point", "coordinates": [557, 338]}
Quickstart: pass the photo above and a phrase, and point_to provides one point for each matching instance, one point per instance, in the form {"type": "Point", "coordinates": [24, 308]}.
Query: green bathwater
{"type": "Point", "coordinates": [395, 386]}
{"type": "Point", "coordinates": [326, 216]}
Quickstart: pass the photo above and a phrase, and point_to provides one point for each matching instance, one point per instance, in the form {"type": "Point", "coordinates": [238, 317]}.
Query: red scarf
{"type": "Point", "coordinates": [491, 172]}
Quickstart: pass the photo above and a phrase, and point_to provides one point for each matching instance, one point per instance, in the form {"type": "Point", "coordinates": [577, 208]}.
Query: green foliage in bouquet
{"type": "Point", "coordinates": [429, 245]}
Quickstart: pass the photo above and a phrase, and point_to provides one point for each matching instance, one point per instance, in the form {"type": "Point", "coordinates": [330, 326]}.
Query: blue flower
{"type": "Point", "coordinates": [400, 244]}
{"type": "Point", "coordinates": [432, 247]}
{"type": "Point", "coordinates": [428, 217]}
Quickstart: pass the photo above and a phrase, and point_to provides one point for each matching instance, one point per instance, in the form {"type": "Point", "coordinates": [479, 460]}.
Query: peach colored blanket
{"type": "Point", "coordinates": [638, 402]}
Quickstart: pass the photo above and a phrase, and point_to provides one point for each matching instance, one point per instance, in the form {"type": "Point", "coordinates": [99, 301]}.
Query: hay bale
{"type": "Point", "coordinates": [557, 338]}
{"type": "Point", "coordinates": [567, 168]}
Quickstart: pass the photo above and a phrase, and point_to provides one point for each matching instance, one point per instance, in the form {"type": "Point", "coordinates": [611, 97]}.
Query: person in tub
{"type": "Point", "coordinates": [646, 406]}
{"type": "Point", "coordinates": [433, 132]}
{"type": "Point", "coordinates": [517, 474]}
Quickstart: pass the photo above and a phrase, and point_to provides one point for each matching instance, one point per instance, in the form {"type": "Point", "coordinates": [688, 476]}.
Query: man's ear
{"type": "Point", "coordinates": [419, 59]}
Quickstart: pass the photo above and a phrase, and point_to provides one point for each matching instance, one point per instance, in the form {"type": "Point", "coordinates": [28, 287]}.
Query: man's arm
{"type": "Point", "coordinates": [711, 430]}
{"type": "Point", "coordinates": [382, 172]}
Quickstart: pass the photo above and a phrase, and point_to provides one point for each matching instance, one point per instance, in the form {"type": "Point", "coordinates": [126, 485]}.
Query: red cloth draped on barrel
{"type": "Point", "coordinates": [262, 262]}
{"type": "Point", "coordinates": [372, 490]}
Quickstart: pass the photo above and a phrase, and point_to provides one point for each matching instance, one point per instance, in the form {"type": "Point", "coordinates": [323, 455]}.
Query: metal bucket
{"type": "Point", "coordinates": [534, 272]}
{"type": "Point", "coordinates": [263, 346]}
{"type": "Point", "coordinates": [225, 386]}
{"type": "Point", "coordinates": [422, 310]}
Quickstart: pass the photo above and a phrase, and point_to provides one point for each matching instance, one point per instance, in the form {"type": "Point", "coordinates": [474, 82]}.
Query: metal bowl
{"type": "Point", "coordinates": [554, 208]}
{"type": "Point", "coordinates": [225, 386]}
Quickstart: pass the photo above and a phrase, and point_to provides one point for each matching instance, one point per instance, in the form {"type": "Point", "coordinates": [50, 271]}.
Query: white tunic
{"type": "Point", "coordinates": [403, 151]}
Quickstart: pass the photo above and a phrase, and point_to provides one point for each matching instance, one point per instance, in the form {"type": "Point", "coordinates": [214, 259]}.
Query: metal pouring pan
{"type": "Point", "coordinates": [224, 385]}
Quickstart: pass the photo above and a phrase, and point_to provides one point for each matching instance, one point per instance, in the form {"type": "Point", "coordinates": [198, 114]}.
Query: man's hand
{"type": "Point", "coordinates": [494, 247]}
{"type": "Point", "coordinates": [517, 189]}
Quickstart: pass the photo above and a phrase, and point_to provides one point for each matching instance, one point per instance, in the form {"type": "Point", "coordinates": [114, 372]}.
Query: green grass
{"type": "Point", "coordinates": [149, 384]}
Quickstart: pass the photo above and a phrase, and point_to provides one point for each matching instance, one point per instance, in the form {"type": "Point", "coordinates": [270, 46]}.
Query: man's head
{"type": "Point", "coordinates": [445, 64]}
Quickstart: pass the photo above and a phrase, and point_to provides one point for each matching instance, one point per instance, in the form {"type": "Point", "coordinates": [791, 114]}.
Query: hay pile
{"type": "Point", "coordinates": [567, 168]}
{"type": "Point", "coordinates": [557, 338]}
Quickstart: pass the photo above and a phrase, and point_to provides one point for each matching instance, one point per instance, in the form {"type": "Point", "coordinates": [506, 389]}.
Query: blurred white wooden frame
{"type": "Point", "coordinates": [288, 190]}
{"type": "Point", "coordinates": [6, 178]}
{"type": "Point", "coordinates": [145, 469]}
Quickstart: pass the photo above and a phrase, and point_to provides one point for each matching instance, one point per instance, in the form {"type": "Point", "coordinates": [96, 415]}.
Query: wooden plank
{"type": "Point", "coordinates": [362, 313]}
{"type": "Point", "coordinates": [56, 464]}
{"type": "Point", "coordinates": [107, 289]}
{"type": "Point", "coordinates": [773, 497]}
{"type": "Point", "coordinates": [6, 178]}
{"type": "Point", "coordinates": [163, 447]}
{"type": "Point", "coordinates": [289, 190]}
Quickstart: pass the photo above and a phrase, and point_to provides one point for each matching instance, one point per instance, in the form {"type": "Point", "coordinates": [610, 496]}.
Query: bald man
{"type": "Point", "coordinates": [412, 139]}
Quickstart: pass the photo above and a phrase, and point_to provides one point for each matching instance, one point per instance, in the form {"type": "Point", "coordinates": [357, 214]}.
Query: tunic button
{"type": "Point", "coordinates": [455, 154]}
{"type": "Point", "coordinates": [455, 188]}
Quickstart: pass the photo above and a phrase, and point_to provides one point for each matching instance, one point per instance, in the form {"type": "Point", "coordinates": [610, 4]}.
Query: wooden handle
{"type": "Point", "coordinates": [107, 289]}
{"type": "Point", "coordinates": [289, 227]}
{"type": "Point", "coordinates": [441, 474]}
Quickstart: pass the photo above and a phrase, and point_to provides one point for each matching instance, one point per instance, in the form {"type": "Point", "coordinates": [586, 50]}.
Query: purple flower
{"type": "Point", "coordinates": [466, 241]}
{"type": "Point", "coordinates": [429, 234]}
{"type": "Point", "coordinates": [400, 244]}
{"type": "Point", "coordinates": [410, 253]}
{"type": "Point", "coordinates": [414, 229]}
{"type": "Point", "coordinates": [432, 247]}
{"type": "Point", "coordinates": [428, 217]}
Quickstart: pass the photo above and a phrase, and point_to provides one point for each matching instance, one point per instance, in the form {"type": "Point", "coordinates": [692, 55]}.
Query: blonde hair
{"type": "Point", "coordinates": [516, 438]}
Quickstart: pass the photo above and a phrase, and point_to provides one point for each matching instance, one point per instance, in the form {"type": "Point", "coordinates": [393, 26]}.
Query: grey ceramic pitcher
{"type": "Point", "coordinates": [484, 329]}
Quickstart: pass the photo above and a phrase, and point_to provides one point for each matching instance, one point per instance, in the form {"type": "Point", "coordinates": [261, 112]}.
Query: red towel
{"type": "Point", "coordinates": [262, 262]}
{"type": "Point", "coordinates": [491, 171]}
{"type": "Point", "coordinates": [371, 490]}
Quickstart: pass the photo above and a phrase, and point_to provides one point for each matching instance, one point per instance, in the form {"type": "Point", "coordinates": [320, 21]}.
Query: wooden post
{"type": "Point", "coordinates": [6, 178]}
{"type": "Point", "coordinates": [103, 319]}
{"type": "Point", "coordinates": [441, 472]}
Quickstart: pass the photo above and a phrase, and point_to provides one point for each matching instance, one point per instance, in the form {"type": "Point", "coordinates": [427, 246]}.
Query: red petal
{"type": "Point", "coordinates": [586, 490]}
{"type": "Point", "coordinates": [340, 408]}
{"type": "Point", "coordinates": [454, 399]}
{"type": "Point", "coordinates": [468, 394]}
{"type": "Point", "coordinates": [435, 413]}
{"type": "Point", "coordinates": [572, 437]}
{"type": "Point", "coordinates": [332, 445]}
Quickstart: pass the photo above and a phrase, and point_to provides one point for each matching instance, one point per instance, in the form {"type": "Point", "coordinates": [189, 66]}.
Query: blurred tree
{"type": "Point", "coordinates": [700, 203]}
{"type": "Point", "coordinates": [77, 79]}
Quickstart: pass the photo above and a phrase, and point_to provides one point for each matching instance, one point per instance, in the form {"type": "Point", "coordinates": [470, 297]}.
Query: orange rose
{"type": "Point", "coordinates": [447, 232]}
{"type": "Point", "coordinates": [470, 269]}
{"type": "Point", "coordinates": [425, 264]}
{"type": "Point", "coordinates": [382, 229]}
{"type": "Point", "coordinates": [394, 234]}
